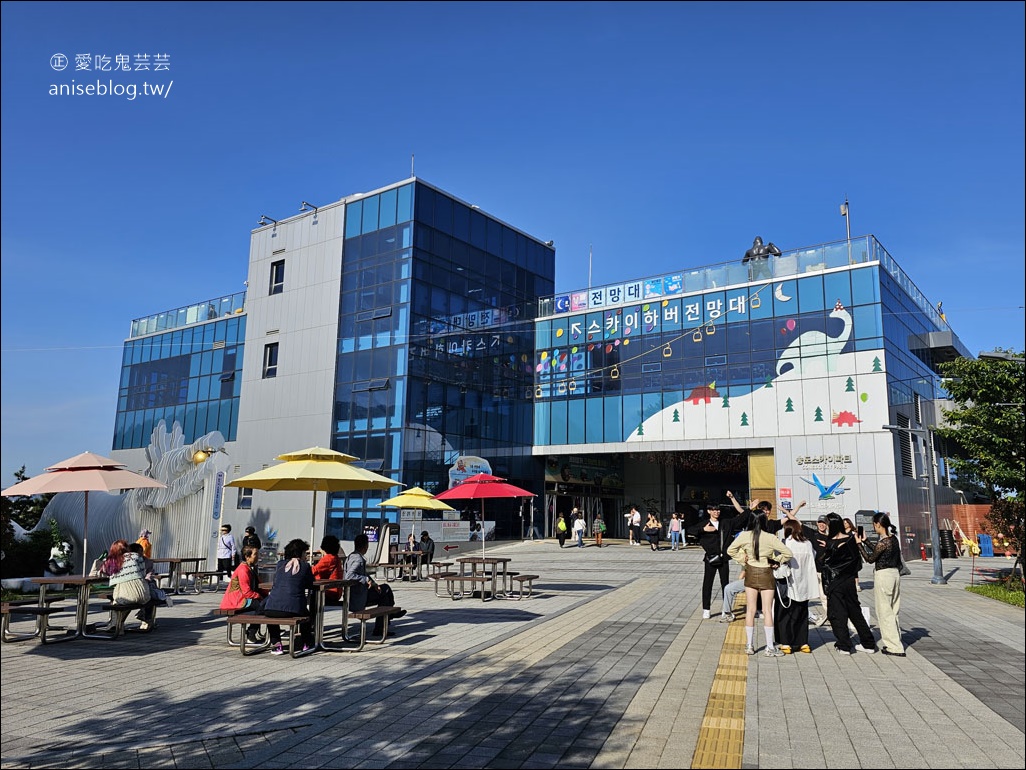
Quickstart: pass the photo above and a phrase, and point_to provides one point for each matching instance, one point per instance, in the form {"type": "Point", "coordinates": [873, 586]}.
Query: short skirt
{"type": "Point", "coordinates": [760, 578]}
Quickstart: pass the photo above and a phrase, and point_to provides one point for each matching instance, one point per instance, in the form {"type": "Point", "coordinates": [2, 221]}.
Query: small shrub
{"type": "Point", "coordinates": [998, 591]}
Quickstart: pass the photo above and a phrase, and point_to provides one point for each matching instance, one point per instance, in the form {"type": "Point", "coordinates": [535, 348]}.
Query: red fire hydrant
{"type": "Point", "coordinates": [922, 551]}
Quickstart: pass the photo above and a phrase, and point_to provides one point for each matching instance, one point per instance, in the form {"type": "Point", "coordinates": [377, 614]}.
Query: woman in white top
{"type": "Point", "coordinates": [754, 550]}
{"type": "Point", "coordinates": [792, 607]}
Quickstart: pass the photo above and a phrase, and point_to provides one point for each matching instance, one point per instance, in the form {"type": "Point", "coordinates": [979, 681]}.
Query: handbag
{"type": "Point", "coordinates": [782, 571]}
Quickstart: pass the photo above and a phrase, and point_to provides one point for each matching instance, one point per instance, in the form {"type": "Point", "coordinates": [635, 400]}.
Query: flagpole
{"type": "Point", "coordinates": [847, 225]}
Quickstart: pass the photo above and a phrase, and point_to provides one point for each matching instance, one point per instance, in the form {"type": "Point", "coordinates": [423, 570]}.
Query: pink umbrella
{"type": "Point", "coordinates": [479, 487]}
{"type": "Point", "coordinates": [87, 473]}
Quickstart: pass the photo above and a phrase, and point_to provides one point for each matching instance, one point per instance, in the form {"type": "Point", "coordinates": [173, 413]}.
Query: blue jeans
{"type": "Point", "coordinates": [674, 539]}
{"type": "Point", "coordinates": [580, 538]}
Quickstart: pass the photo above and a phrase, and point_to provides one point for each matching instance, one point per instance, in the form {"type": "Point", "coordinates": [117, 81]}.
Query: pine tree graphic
{"type": "Point", "coordinates": [849, 386]}
{"type": "Point", "coordinates": [676, 415]}
{"type": "Point", "coordinates": [876, 365]}
{"type": "Point", "coordinates": [726, 402]}
{"type": "Point", "coordinates": [819, 415]}
{"type": "Point", "coordinates": [789, 405]}
{"type": "Point", "coordinates": [769, 382]}
{"type": "Point", "coordinates": [744, 419]}
{"type": "Point", "coordinates": [641, 429]}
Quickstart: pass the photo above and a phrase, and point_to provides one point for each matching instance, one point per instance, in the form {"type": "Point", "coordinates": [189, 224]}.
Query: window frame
{"type": "Point", "coordinates": [269, 367]}
{"type": "Point", "coordinates": [276, 283]}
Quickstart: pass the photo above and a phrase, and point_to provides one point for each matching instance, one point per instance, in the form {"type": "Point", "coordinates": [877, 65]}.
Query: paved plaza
{"type": "Point", "coordinates": [609, 665]}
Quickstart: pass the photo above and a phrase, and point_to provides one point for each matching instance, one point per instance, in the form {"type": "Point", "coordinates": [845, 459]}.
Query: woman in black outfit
{"type": "Point", "coordinates": [841, 564]}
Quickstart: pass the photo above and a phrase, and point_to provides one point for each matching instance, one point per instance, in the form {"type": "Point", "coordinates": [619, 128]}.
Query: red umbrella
{"type": "Point", "coordinates": [87, 473]}
{"type": "Point", "coordinates": [479, 487]}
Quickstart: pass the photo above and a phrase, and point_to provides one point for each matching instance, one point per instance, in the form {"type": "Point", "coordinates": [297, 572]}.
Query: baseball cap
{"type": "Point", "coordinates": [250, 530]}
{"type": "Point", "coordinates": [823, 518]}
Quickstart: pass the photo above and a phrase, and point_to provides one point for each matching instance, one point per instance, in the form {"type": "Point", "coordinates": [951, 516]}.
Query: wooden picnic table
{"type": "Point", "coordinates": [176, 570]}
{"type": "Point", "coordinates": [82, 611]}
{"type": "Point", "coordinates": [492, 562]}
{"type": "Point", "coordinates": [411, 559]}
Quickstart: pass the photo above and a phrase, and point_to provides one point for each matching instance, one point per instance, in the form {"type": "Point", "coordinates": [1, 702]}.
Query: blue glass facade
{"type": "Point", "coordinates": [435, 342]}
{"type": "Point", "coordinates": [600, 374]}
{"type": "Point", "coordinates": [191, 375]}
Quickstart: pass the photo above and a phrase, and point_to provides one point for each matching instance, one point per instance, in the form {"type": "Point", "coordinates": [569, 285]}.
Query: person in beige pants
{"type": "Point", "coordinates": [886, 556]}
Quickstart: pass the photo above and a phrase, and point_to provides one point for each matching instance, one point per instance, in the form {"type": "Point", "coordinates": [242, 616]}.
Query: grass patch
{"type": "Point", "coordinates": [999, 591]}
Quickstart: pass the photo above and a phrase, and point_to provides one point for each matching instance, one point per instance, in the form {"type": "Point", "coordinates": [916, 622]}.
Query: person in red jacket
{"type": "Point", "coordinates": [329, 567]}
{"type": "Point", "coordinates": [244, 593]}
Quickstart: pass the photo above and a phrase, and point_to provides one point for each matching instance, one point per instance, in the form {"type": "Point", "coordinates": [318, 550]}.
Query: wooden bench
{"type": "Point", "coordinates": [439, 566]}
{"type": "Point", "coordinates": [119, 614]}
{"type": "Point", "coordinates": [450, 584]}
{"type": "Point", "coordinates": [218, 612]}
{"type": "Point", "coordinates": [246, 620]}
{"type": "Point", "coordinates": [521, 579]}
{"type": "Point", "coordinates": [205, 575]}
{"type": "Point", "coordinates": [31, 608]}
{"type": "Point", "coordinates": [373, 613]}
{"type": "Point", "coordinates": [440, 577]}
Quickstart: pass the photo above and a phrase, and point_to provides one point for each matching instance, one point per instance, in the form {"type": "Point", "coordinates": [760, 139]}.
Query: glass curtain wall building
{"type": "Point", "coordinates": [424, 336]}
{"type": "Point", "coordinates": [773, 378]}
{"type": "Point", "coordinates": [182, 366]}
{"type": "Point", "coordinates": [396, 326]}
{"type": "Point", "coordinates": [435, 342]}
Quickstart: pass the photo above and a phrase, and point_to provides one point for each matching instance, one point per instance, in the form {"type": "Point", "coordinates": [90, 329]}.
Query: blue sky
{"type": "Point", "coordinates": [664, 135]}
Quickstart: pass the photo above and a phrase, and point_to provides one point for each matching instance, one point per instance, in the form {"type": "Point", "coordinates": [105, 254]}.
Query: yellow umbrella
{"type": "Point", "coordinates": [315, 469]}
{"type": "Point", "coordinates": [416, 498]}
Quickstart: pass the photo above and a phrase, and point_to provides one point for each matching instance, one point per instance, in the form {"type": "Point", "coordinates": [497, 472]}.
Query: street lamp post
{"type": "Point", "coordinates": [938, 568]}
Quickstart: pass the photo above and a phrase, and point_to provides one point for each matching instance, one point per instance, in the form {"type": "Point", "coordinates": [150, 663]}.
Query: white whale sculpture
{"type": "Point", "coordinates": [180, 515]}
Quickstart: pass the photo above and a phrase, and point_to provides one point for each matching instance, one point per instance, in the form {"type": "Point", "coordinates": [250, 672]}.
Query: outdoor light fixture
{"type": "Point", "coordinates": [938, 570]}
{"type": "Point", "coordinates": [266, 220]}
{"type": "Point", "coordinates": [199, 456]}
{"type": "Point", "coordinates": [304, 206]}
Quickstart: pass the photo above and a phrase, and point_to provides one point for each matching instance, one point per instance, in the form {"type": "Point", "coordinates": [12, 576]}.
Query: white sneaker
{"type": "Point", "coordinates": [726, 618]}
{"type": "Point", "coordinates": [773, 652]}
{"type": "Point", "coordinates": [705, 614]}
{"type": "Point", "coordinates": [749, 650]}
{"type": "Point", "coordinates": [860, 648]}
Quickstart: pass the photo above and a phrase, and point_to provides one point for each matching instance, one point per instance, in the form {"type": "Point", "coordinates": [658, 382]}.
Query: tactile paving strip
{"type": "Point", "coordinates": [721, 738]}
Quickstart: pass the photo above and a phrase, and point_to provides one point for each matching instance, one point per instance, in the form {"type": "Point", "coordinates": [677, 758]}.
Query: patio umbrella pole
{"type": "Point", "coordinates": [482, 530]}
{"type": "Point", "coordinates": [85, 537]}
{"type": "Point", "coordinates": [313, 519]}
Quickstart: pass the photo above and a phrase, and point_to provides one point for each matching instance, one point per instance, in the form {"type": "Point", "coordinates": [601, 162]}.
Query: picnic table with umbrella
{"type": "Point", "coordinates": [314, 470]}
{"type": "Point", "coordinates": [416, 498]}
{"type": "Point", "coordinates": [86, 472]}
{"type": "Point", "coordinates": [482, 486]}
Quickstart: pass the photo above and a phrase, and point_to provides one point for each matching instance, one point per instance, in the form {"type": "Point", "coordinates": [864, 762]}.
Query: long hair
{"type": "Point", "coordinates": [115, 557]}
{"type": "Point", "coordinates": [835, 525]}
{"type": "Point", "coordinates": [295, 549]}
{"type": "Point", "coordinates": [757, 527]}
{"type": "Point", "coordinates": [793, 531]}
{"type": "Point", "coordinates": [885, 521]}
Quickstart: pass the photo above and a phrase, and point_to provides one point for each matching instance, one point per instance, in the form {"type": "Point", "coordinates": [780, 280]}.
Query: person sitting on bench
{"type": "Point", "coordinates": [244, 593]}
{"type": "Point", "coordinates": [289, 596]}
{"type": "Point", "coordinates": [329, 567]}
{"type": "Point", "coordinates": [367, 592]}
{"type": "Point", "coordinates": [127, 576]}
